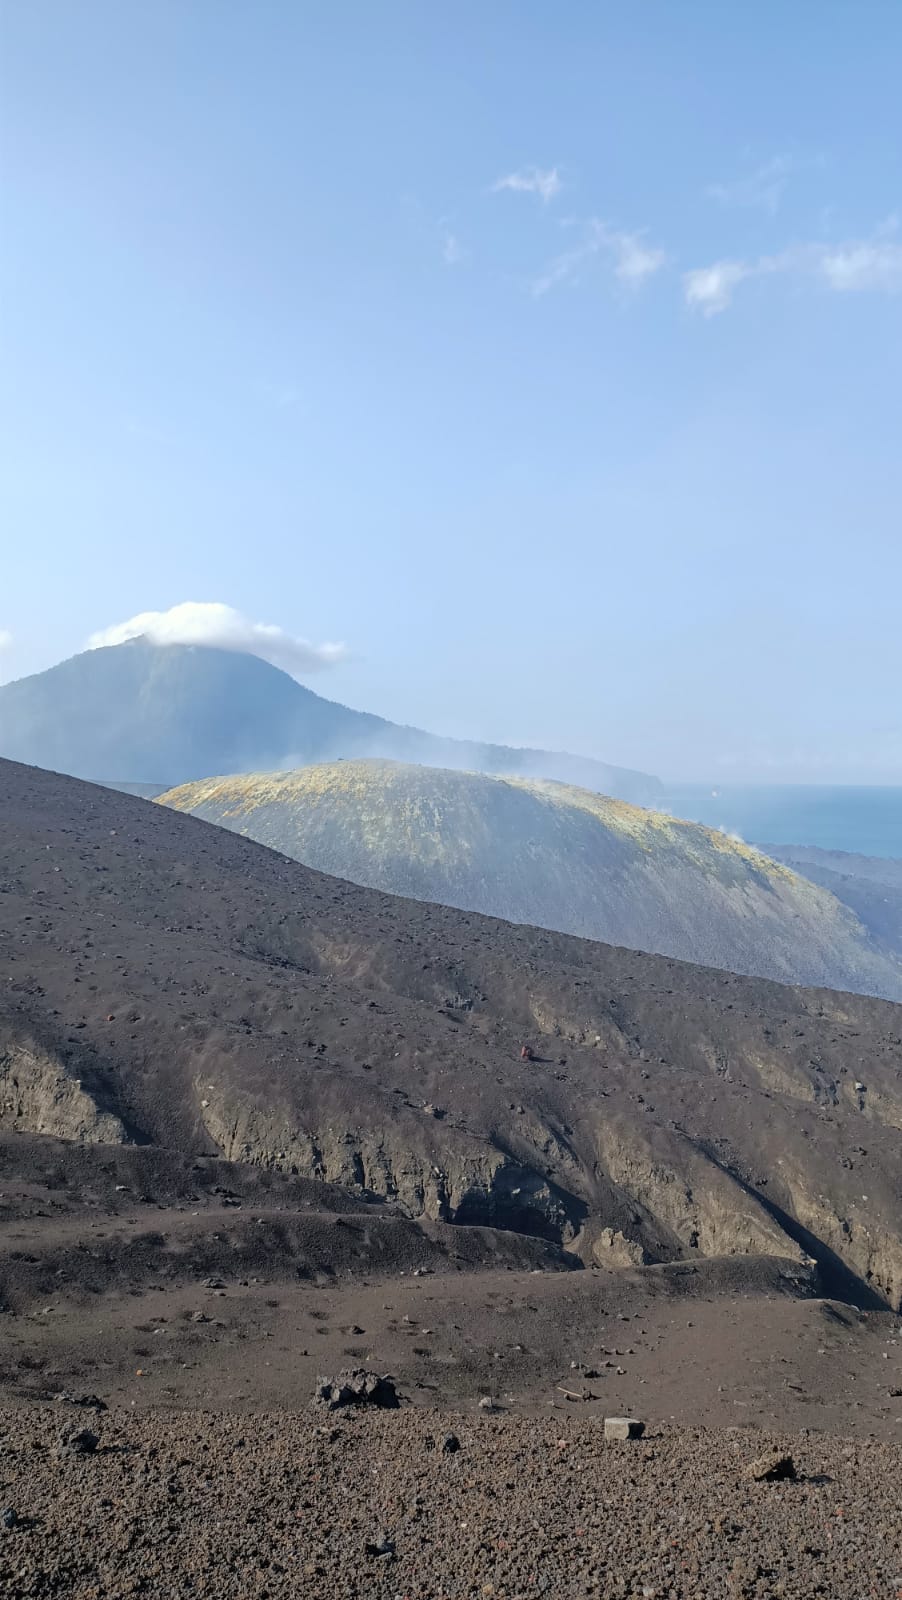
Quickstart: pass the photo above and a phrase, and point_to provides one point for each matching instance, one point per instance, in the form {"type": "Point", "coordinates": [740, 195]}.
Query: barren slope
{"type": "Point", "coordinates": [166, 982]}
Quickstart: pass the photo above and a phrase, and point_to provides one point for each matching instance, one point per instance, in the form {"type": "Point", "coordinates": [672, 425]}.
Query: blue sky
{"type": "Point", "coordinates": [547, 356]}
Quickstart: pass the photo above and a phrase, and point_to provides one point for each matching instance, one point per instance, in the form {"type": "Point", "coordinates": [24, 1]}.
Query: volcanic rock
{"type": "Point", "coordinates": [356, 1387]}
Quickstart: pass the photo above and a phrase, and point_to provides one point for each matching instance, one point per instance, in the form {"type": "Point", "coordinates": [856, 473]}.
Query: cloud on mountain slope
{"type": "Point", "coordinates": [210, 623]}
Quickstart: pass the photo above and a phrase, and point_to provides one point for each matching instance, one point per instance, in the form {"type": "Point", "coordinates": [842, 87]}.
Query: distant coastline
{"type": "Point", "coordinates": [864, 820]}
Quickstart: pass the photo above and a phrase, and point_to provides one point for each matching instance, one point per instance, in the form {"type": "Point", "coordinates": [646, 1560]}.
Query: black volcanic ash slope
{"type": "Point", "coordinates": [167, 982]}
{"type": "Point", "coordinates": [145, 714]}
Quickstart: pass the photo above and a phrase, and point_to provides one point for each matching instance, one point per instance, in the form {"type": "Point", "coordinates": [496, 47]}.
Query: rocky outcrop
{"type": "Point", "coordinates": [701, 1204]}
{"type": "Point", "coordinates": [449, 1177]}
{"type": "Point", "coordinates": [611, 1248]}
{"type": "Point", "coordinates": [38, 1096]}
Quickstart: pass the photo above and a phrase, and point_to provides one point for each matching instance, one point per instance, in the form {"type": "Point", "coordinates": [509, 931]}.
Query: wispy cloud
{"type": "Point", "coordinates": [546, 183]}
{"type": "Point", "coordinates": [633, 260]}
{"type": "Point", "coordinates": [204, 622]}
{"type": "Point", "coordinates": [630, 259]}
{"type": "Point", "coordinates": [761, 189]}
{"type": "Point", "coordinates": [710, 289]}
{"type": "Point", "coordinates": [6, 639]}
{"type": "Point", "coordinates": [453, 248]}
{"type": "Point", "coordinates": [874, 264]}
{"type": "Point", "coordinates": [859, 266]}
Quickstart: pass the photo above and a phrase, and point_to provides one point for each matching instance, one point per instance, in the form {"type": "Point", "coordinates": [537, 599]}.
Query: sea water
{"type": "Point", "coordinates": [867, 821]}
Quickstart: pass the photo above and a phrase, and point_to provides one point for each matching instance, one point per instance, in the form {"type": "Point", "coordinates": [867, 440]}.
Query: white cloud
{"type": "Point", "coordinates": [634, 261]}
{"type": "Point", "coordinates": [209, 623]}
{"type": "Point", "coordinates": [710, 289]}
{"type": "Point", "coordinates": [453, 252]}
{"type": "Point", "coordinates": [6, 639]}
{"type": "Point", "coordinates": [762, 189]}
{"type": "Point", "coordinates": [531, 180]}
{"type": "Point", "coordinates": [563, 269]}
{"type": "Point", "coordinates": [874, 265]}
{"type": "Point", "coordinates": [859, 266]}
{"type": "Point", "coordinates": [631, 260]}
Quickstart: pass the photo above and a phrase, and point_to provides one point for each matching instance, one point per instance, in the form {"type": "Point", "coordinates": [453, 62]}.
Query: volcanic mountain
{"type": "Point", "coordinates": [156, 715]}
{"type": "Point", "coordinates": [168, 986]}
{"type": "Point", "coordinates": [871, 886]}
{"type": "Point", "coordinates": [557, 857]}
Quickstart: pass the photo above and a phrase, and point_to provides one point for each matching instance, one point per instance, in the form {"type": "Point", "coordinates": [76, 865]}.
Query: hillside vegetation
{"type": "Point", "coordinates": [556, 857]}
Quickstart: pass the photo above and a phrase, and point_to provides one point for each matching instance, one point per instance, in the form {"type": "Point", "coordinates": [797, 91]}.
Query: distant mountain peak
{"type": "Point", "coordinates": [148, 713]}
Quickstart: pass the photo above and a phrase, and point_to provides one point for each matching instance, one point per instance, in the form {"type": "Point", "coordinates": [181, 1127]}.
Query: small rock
{"type": "Point", "coordinates": [587, 1372]}
{"type": "Point", "coordinates": [382, 1547]}
{"type": "Point", "coordinates": [77, 1442]}
{"type": "Point", "coordinates": [356, 1387]}
{"type": "Point", "coordinates": [90, 1402]}
{"type": "Point", "coordinates": [450, 1444]}
{"type": "Point", "coordinates": [9, 1518]}
{"type": "Point", "coordinates": [486, 1403]}
{"type": "Point", "coordinates": [623, 1428]}
{"type": "Point", "coordinates": [770, 1468]}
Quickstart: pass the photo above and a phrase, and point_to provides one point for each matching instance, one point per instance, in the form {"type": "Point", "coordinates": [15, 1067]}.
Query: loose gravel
{"type": "Point", "coordinates": [377, 1506]}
